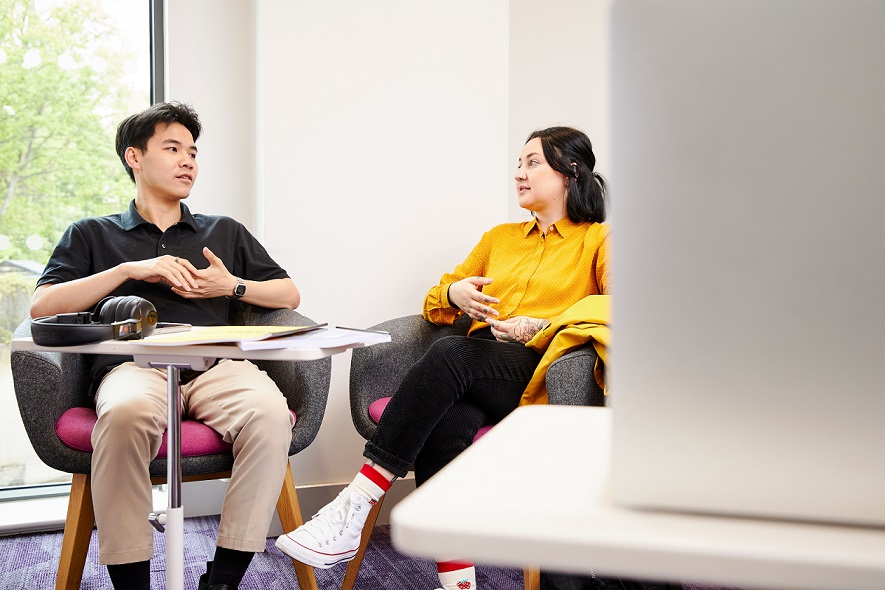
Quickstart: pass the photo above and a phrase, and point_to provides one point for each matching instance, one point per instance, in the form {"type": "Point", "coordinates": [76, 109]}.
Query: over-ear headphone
{"type": "Point", "coordinates": [114, 318]}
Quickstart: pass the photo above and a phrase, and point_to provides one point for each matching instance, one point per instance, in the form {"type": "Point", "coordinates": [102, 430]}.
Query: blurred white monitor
{"type": "Point", "coordinates": [748, 359]}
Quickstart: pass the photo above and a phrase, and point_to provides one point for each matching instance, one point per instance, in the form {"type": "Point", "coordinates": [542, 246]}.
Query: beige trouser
{"type": "Point", "coordinates": [236, 399]}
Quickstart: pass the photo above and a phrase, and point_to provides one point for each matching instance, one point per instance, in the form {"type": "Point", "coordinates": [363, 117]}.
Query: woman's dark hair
{"type": "Point", "coordinates": [569, 152]}
{"type": "Point", "coordinates": [136, 130]}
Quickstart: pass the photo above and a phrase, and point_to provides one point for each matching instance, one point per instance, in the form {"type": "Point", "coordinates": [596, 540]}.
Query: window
{"type": "Point", "coordinates": [70, 71]}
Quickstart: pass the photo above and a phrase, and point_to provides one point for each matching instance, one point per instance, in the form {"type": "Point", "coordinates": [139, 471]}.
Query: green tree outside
{"type": "Point", "coordinates": [64, 86]}
{"type": "Point", "coordinates": [62, 93]}
{"type": "Point", "coordinates": [61, 97]}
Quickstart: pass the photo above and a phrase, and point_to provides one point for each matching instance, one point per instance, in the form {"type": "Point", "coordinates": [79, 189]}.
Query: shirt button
{"type": "Point", "coordinates": [163, 246]}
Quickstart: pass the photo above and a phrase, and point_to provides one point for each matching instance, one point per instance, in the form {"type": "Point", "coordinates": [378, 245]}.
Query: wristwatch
{"type": "Point", "coordinates": [239, 290]}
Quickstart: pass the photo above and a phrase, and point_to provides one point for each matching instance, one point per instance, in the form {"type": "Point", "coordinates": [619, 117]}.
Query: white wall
{"type": "Point", "coordinates": [384, 161]}
{"type": "Point", "coordinates": [559, 75]}
{"type": "Point", "coordinates": [369, 145]}
{"type": "Point", "coordinates": [211, 65]}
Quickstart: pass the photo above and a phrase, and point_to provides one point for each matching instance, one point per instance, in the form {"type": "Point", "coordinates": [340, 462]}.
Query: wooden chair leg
{"type": "Point", "coordinates": [353, 567]}
{"type": "Point", "coordinates": [532, 578]}
{"type": "Point", "coordinates": [78, 530]}
{"type": "Point", "coordinates": [290, 517]}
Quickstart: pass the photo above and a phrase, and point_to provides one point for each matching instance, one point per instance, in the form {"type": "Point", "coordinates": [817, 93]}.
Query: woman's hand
{"type": "Point", "coordinates": [467, 296]}
{"type": "Point", "coordinates": [519, 328]}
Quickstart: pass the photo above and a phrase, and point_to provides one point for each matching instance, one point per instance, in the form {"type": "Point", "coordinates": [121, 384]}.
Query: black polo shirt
{"type": "Point", "coordinates": [96, 244]}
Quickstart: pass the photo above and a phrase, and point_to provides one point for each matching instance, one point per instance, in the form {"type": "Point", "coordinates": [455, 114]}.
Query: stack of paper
{"type": "Point", "coordinates": [321, 338]}
{"type": "Point", "coordinates": [226, 335]}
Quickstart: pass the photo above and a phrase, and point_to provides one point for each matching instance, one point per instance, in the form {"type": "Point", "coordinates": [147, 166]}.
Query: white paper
{"type": "Point", "coordinates": [322, 338]}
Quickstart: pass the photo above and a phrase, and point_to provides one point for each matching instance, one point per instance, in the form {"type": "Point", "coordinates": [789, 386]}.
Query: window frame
{"type": "Point", "coordinates": [10, 495]}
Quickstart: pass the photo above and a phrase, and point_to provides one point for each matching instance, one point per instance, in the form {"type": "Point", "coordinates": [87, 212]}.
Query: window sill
{"type": "Point", "coordinates": [38, 515]}
{"type": "Point", "coordinates": [33, 515]}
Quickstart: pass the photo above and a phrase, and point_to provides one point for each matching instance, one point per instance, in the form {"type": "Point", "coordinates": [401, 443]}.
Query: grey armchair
{"type": "Point", "coordinates": [376, 372]}
{"type": "Point", "coordinates": [50, 384]}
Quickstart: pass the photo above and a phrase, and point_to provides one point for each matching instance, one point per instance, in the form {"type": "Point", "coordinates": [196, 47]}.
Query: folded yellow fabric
{"type": "Point", "coordinates": [588, 320]}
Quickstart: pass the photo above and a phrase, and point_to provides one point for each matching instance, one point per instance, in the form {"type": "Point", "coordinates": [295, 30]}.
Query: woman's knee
{"type": "Point", "coordinates": [453, 353]}
{"type": "Point", "coordinates": [448, 345]}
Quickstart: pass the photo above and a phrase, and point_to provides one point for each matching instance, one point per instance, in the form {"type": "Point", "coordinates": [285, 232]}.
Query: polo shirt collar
{"type": "Point", "coordinates": [132, 218]}
{"type": "Point", "coordinates": [186, 217]}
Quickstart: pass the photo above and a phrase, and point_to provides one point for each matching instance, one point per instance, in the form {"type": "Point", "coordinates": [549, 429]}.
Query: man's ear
{"type": "Point", "coordinates": [133, 157]}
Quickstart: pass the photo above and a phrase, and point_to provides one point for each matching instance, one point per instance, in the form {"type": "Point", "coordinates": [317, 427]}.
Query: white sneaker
{"type": "Point", "coordinates": [333, 534]}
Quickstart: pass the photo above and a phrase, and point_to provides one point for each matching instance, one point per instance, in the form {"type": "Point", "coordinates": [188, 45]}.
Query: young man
{"type": "Point", "coordinates": [190, 267]}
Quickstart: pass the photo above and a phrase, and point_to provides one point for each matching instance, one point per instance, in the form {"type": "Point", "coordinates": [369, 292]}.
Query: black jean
{"type": "Point", "coordinates": [460, 384]}
{"type": "Point", "coordinates": [553, 581]}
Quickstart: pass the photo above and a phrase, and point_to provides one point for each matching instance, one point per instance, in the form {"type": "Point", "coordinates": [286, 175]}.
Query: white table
{"type": "Point", "coordinates": [533, 492]}
{"type": "Point", "coordinates": [174, 358]}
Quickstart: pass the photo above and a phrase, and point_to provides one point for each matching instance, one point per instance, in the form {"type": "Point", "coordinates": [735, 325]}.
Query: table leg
{"type": "Point", "coordinates": [174, 510]}
{"type": "Point", "coordinates": [171, 521]}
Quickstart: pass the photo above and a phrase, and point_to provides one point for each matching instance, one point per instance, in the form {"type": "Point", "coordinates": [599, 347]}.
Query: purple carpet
{"type": "Point", "coordinates": [29, 562]}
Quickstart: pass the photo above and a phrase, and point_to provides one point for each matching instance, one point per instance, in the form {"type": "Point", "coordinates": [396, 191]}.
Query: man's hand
{"type": "Point", "coordinates": [177, 272]}
{"type": "Point", "coordinates": [212, 281]}
{"type": "Point", "coordinates": [517, 329]}
{"type": "Point", "coordinates": [467, 296]}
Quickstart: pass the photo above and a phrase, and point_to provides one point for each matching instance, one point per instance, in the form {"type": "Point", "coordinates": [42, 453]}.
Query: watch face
{"type": "Point", "coordinates": [240, 290]}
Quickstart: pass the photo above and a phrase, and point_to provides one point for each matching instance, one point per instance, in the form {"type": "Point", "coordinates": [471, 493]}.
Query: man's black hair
{"type": "Point", "coordinates": [136, 130]}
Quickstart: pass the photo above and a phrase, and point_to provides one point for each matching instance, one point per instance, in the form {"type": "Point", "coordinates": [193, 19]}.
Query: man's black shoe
{"type": "Point", "coordinates": [204, 581]}
{"type": "Point", "coordinates": [204, 584]}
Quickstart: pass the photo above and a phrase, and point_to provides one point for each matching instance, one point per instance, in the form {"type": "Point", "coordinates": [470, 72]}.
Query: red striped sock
{"type": "Point", "coordinates": [371, 482]}
{"type": "Point", "coordinates": [456, 575]}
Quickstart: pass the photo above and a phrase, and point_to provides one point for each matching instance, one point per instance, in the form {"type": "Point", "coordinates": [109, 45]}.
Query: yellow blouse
{"type": "Point", "coordinates": [533, 274]}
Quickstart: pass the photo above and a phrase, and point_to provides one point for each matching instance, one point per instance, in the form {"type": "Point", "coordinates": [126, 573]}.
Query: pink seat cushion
{"type": "Point", "coordinates": [377, 407]}
{"type": "Point", "coordinates": [481, 432]}
{"type": "Point", "coordinates": [74, 429]}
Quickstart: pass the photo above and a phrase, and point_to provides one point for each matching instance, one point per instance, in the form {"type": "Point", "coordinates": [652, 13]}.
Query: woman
{"type": "Point", "coordinates": [518, 278]}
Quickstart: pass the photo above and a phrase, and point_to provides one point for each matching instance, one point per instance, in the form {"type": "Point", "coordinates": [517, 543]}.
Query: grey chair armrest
{"type": "Point", "coordinates": [46, 385]}
{"type": "Point", "coordinates": [377, 371]}
{"type": "Point", "coordinates": [305, 384]}
{"type": "Point", "coordinates": [570, 379]}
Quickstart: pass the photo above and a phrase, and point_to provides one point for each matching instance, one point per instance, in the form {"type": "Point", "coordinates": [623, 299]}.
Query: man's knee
{"type": "Point", "coordinates": [272, 420]}
{"type": "Point", "coordinates": [139, 414]}
{"type": "Point", "coordinates": [126, 431]}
